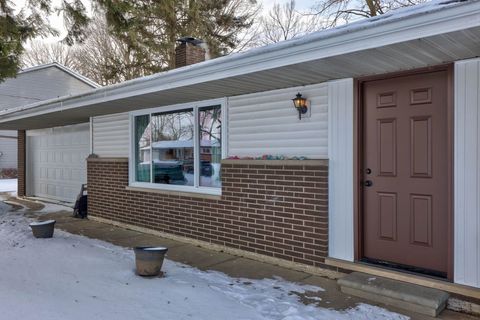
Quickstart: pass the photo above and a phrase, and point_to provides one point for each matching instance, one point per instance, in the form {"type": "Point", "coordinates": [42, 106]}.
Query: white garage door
{"type": "Point", "coordinates": [56, 165]}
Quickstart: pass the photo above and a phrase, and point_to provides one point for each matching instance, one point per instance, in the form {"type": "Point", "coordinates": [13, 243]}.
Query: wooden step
{"type": "Point", "coordinates": [399, 294]}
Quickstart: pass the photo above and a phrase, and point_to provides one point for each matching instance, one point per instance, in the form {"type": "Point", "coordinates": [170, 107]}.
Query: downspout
{"type": "Point", "coordinates": [91, 135]}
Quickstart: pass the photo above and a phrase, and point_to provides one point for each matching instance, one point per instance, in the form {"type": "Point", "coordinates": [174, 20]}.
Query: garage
{"type": "Point", "coordinates": [56, 166]}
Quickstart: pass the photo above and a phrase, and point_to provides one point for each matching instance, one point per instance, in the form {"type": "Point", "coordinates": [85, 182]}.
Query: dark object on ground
{"type": "Point", "coordinates": [43, 229]}
{"type": "Point", "coordinates": [149, 260]}
{"type": "Point", "coordinates": [80, 209]}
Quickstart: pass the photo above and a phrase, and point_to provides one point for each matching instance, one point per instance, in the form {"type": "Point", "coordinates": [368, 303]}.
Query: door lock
{"type": "Point", "coordinates": [368, 183]}
{"type": "Point", "coordinates": [368, 171]}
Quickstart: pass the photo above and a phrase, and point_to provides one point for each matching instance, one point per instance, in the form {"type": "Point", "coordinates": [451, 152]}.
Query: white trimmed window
{"type": "Point", "coordinates": [178, 148]}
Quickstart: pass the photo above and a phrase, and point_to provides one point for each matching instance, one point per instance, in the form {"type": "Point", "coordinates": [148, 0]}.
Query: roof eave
{"type": "Point", "coordinates": [449, 19]}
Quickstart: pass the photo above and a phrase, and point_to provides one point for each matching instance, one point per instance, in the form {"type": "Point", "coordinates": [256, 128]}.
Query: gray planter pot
{"type": "Point", "coordinates": [43, 229]}
{"type": "Point", "coordinates": [149, 260]}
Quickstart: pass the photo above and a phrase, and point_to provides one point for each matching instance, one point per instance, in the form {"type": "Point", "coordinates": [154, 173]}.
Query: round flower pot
{"type": "Point", "coordinates": [43, 229]}
{"type": "Point", "coordinates": [149, 260]}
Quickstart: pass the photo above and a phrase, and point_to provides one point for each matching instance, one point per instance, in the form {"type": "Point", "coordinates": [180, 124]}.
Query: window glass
{"type": "Point", "coordinates": [173, 147]}
{"type": "Point", "coordinates": [210, 127]}
{"type": "Point", "coordinates": [142, 148]}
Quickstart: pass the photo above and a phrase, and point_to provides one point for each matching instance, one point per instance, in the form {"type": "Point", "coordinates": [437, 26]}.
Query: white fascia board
{"type": "Point", "coordinates": [38, 67]}
{"type": "Point", "coordinates": [364, 35]}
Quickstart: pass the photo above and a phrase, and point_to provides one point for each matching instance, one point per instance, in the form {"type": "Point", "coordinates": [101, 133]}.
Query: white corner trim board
{"type": "Point", "coordinates": [467, 173]}
{"type": "Point", "coordinates": [340, 177]}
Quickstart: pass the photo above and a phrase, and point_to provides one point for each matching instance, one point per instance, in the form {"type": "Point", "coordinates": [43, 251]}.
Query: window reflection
{"type": "Point", "coordinates": [168, 150]}
{"type": "Point", "coordinates": [210, 127]}
{"type": "Point", "coordinates": [142, 144]}
{"type": "Point", "coordinates": [172, 147]}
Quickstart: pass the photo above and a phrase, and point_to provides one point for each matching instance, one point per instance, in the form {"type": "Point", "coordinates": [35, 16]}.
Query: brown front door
{"type": "Point", "coordinates": [405, 172]}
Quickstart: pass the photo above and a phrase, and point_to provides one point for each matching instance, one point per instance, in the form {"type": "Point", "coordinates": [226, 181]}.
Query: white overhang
{"type": "Point", "coordinates": [426, 35]}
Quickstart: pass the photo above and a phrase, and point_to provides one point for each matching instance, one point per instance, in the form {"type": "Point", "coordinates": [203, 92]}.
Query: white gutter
{"type": "Point", "coordinates": [433, 18]}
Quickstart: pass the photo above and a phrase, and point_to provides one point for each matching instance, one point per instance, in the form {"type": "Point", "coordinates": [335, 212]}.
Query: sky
{"type": "Point", "coordinates": [300, 4]}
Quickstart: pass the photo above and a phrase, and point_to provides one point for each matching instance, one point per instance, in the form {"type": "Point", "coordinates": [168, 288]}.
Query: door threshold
{"type": "Point", "coordinates": [405, 268]}
{"type": "Point", "coordinates": [426, 281]}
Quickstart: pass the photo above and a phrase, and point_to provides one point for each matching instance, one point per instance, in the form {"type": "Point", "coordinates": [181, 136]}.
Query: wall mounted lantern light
{"type": "Point", "coordinates": [300, 104]}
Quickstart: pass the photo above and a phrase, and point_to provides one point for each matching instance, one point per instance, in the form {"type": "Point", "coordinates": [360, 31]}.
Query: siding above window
{"type": "Point", "coordinates": [258, 124]}
{"type": "Point", "coordinates": [267, 123]}
{"type": "Point", "coordinates": [110, 135]}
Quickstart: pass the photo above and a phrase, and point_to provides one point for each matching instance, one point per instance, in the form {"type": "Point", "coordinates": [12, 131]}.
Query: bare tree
{"type": "Point", "coordinates": [43, 53]}
{"type": "Point", "coordinates": [284, 22]}
{"type": "Point", "coordinates": [105, 59]}
{"type": "Point", "coordinates": [248, 37]}
{"type": "Point", "coordinates": [172, 126]}
{"type": "Point", "coordinates": [343, 11]}
{"type": "Point", "coordinates": [100, 57]}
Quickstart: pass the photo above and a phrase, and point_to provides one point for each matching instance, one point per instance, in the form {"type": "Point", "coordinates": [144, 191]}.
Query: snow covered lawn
{"type": "Point", "coordinates": [72, 277]}
{"type": "Point", "coordinates": [8, 185]}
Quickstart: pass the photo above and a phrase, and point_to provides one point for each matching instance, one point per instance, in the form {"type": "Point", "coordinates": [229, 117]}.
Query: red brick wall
{"type": "Point", "coordinates": [277, 210]}
{"type": "Point", "coordinates": [187, 54]}
{"type": "Point", "coordinates": [21, 161]}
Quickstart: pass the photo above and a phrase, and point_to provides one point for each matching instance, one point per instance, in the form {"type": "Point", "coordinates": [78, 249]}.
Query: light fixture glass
{"type": "Point", "coordinates": [300, 104]}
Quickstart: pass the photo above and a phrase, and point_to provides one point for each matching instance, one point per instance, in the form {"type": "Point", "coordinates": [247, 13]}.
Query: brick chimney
{"type": "Point", "coordinates": [189, 51]}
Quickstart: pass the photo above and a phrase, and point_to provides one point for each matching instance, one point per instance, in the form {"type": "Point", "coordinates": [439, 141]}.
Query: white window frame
{"type": "Point", "coordinates": [196, 188]}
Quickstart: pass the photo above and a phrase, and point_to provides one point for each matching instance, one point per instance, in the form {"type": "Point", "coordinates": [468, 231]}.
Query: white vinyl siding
{"type": "Point", "coordinates": [38, 85]}
{"type": "Point", "coordinates": [110, 135]}
{"type": "Point", "coordinates": [8, 149]}
{"type": "Point", "coordinates": [267, 123]}
{"type": "Point", "coordinates": [467, 173]}
{"type": "Point", "coordinates": [340, 168]}
{"type": "Point", "coordinates": [8, 133]}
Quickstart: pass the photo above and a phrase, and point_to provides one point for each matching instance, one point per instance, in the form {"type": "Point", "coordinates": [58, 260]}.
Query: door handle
{"type": "Point", "coordinates": [368, 183]}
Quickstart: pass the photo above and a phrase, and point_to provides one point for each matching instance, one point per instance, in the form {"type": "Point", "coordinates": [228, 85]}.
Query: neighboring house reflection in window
{"type": "Point", "coordinates": [178, 147]}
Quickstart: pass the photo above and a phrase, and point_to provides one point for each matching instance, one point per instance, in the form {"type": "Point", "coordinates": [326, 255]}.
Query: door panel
{"type": "Point", "coordinates": [421, 147]}
{"type": "Point", "coordinates": [421, 219]}
{"type": "Point", "coordinates": [405, 171]}
{"type": "Point", "coordinates": [387, 207]}
{"type": "Point", "coordinates": [387, 146]}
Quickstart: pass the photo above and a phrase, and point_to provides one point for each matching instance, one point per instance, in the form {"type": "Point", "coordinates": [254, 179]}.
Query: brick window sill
{"type": "Point", "coordinates": [193, 194]}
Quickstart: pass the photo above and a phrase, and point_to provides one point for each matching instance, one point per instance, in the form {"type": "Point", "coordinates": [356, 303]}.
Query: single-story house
{"type": "Point", "coordinates": [380, 173]}
{"type": "Point", "coordinates": [32, 85]}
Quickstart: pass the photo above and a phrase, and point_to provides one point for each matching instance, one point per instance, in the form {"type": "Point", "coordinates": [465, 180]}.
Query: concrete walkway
{"type": "Point", "coordinates": [231, 265]}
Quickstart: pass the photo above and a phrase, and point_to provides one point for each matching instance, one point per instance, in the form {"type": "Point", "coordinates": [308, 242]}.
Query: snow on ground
{"type": "Point", "coordinates": [8, 185]}
{"type": "Point", "coordinates": [73, 277]}
{"type": "Point", "coordinates": [49, 207]}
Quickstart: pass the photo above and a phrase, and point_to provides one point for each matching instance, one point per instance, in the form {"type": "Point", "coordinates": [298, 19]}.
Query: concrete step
{"type": "Point", "coordinates": [399, 294]}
